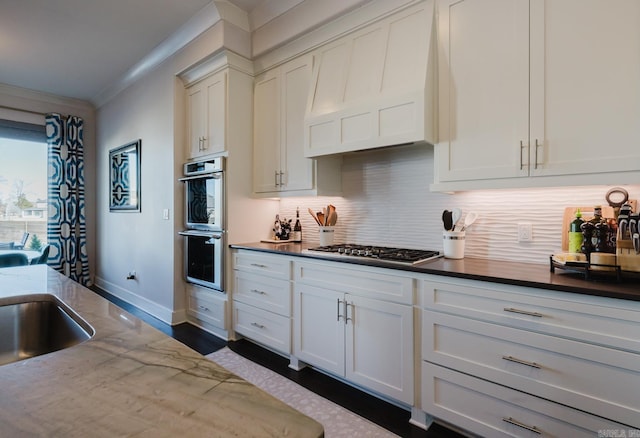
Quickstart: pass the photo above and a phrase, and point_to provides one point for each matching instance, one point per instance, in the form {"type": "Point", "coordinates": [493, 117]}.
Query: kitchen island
{"type": "Point", "coordinates": [129, 379]}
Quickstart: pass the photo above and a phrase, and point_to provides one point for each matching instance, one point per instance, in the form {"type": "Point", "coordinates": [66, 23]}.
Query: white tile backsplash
{"type": "Point", "coordinates": [386, 201]}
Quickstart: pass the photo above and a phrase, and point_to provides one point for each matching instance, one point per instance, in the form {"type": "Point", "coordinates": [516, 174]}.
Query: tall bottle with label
{"type": "Point", "coordinates": [575, 233]}
{"type": "Point", "coordinates": [297, 228]}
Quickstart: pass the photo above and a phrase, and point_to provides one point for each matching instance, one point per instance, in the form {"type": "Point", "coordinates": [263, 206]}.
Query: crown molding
{"type": "Point", "coordinates": [208, 16]}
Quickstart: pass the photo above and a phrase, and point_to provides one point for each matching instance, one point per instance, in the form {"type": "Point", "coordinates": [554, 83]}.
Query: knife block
{"type": "Point", "coordinates": [626, 256]}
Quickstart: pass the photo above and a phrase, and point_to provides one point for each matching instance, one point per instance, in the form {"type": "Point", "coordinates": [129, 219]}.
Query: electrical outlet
{"type": "Point", "coordinates": [525, 233]}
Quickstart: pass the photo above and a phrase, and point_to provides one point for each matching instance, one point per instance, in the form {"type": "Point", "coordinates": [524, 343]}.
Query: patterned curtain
{"type": "Point", "coordinates": [66, 227]}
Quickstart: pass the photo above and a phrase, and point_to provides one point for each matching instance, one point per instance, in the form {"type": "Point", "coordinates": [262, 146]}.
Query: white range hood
{"type": "Point", "coordinates": [376, 86]}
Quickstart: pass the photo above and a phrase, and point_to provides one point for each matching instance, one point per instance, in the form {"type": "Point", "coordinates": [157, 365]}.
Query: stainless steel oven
{"type": "Point", "coordinates": [204, 192]}
{"type": "Point", "coordinates": [204, 236]}
{"type": "Point", "coordinates": [204, 258]}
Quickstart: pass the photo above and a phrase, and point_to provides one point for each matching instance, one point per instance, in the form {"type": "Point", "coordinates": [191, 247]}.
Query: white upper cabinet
{"type": "Point", "coordinates": [280, 167]}
{"type": "Point", "coordinates": [206, 116]}
{"type": "Point", "coordinates": [374, 87]}
{"type": "Point", "coordinates": [546, 89]}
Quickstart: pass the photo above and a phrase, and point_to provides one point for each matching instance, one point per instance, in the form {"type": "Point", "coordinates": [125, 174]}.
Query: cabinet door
{"type": "Point", "coordinates": [266, 132]}
{"type": "Point", "coordinates": [196, 113]}
{"type": "Point", "coordinates": [585, 86]}
{"type": "Point", "coordinates": [298, 170]}
{"type": "Point", "coordinates": [484, 89]}
{"type": "Point", "coordinates": [215, 136]}
{"type": "Point", "coordinates": [379, 346]}
{"type": "Point", "coordinates": [207, 112]}
{"type": "Point", "coordinates": [318, 321]}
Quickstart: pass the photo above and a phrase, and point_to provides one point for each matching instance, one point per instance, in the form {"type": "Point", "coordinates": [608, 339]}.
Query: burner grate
{"type": "Point", "coordinates": [403, 255]}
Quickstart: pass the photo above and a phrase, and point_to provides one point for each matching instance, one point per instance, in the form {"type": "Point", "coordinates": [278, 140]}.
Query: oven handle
{"type": "Point", "coordinates": [200, 234]}
{"type": "Point", "coordinates": [214, 175]}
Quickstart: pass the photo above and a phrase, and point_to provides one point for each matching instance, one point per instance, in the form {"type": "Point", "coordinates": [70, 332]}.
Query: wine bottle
{"type": "Point", "coordinates": [575, 233]}
{"type": "Point", "coordinates": [297, 228]}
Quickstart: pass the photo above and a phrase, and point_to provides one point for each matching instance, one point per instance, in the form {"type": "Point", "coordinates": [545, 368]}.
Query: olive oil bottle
{"type": "Point", "coordinates": [575, 233]}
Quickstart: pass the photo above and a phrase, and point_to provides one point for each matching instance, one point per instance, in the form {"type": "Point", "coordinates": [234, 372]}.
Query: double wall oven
{"type": "Point", "coordinates": [204, 235]}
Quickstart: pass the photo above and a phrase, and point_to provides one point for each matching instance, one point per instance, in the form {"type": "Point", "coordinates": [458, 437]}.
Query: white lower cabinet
{"type": "Point", "coordinates": [262, 299]}
{"type": "Point", "coordinates": [491, 410]}
{"type": "Point", "coordinates": [513, 361]}
{"type": "Point", "coordinates": [207, 308]}
{"type": "Point", "coordinates": [367, 341]}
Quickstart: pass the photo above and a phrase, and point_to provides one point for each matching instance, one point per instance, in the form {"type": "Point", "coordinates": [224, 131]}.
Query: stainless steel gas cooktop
{"type": "Point", "coordinates": [383, 253]}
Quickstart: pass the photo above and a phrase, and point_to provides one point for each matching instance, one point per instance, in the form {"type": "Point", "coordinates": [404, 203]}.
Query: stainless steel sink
{"type": "Point", "coordinates": [33, 325]}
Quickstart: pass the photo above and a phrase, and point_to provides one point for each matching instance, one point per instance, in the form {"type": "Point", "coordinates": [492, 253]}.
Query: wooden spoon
{"type": "Point", "coordinates": [313, 215]}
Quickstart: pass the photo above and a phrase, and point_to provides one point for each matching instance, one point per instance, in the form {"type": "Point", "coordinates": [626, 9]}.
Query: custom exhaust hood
{"type": "Point", "coordinates": [375, 87]}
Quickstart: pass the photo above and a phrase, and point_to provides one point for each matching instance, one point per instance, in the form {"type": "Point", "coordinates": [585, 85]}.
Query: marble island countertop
{"type": "Point", "coordinates": [128, 380]}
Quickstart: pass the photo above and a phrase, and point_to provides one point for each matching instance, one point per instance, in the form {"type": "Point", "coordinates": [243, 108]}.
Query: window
{"type": "Point", "coordinates": [23, 184]}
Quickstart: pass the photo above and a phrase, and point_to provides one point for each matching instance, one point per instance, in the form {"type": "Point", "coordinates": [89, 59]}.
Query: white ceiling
{"type": "Point", "coordinates": [78, 48]}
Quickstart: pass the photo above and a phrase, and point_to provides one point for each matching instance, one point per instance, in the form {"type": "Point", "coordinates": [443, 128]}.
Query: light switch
{"type": "Point", "coordinates": [165, 214]}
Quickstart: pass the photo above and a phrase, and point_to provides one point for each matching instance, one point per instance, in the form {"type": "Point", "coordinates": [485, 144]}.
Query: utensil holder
{"type": "Point", "coordinates": [453, 243]}
{"type": "Point", "coordinates": [326, 234]}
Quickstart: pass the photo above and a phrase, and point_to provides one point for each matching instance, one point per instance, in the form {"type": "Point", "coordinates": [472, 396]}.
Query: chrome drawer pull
{"type": "Point", "coordinates": [522, 362]}
{"type": "Point", "coordinates": [256, 291]}
{"type": "Point", "coordinates": [347, 305]}
{"type": "Point", "coordinates": [258, 265]}
{"type": "Point", "coordinates": [255, 324]}
{"type": "Point", "coordinates": [523, 312]}
{"type": "Point", "coordinates": [206, 309]}
{"type": "Point", "coordinates": [522, 425]}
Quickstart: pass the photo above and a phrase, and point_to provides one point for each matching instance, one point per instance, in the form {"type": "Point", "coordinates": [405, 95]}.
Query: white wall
{"type": "Point", "coordinates": [386, 201]}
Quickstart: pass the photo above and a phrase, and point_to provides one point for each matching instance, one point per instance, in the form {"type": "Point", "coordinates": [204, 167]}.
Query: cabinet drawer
{"type": "Point", "coordinates": [208, 307]}
{"type": "Point", "coordinates": [266, 293]}
{"type": "Point", "coordinates": [265, 327]}
{"type": "Point", "coordinates": [592, 378]}
{"type": "Point", "coordinates": [266, 264]}
{"type": "Point", "coordinates": [605, 321]}
{"type": "Point", "coordinates": [492, 410]}
{"type": "Point", "coordinates": [357, 280]}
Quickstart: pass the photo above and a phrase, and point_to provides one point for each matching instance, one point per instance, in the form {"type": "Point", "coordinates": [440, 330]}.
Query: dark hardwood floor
{"type": "Point", "coordinates": [384, 414]}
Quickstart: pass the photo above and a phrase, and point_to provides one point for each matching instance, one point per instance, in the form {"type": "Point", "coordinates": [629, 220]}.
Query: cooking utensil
{"type": "Point", "coordinates": [313, 215]}
{"type": "Point", "coordinates": [456, 213]}
{"type": "Point", "coordinates": [447, 220]}
{"type": "Point", "coordinates": [332, 218]}
{"type": "Point", "coordinates": [320, 216]}
{"type": "Point", "coordinates": [636, 242]}
{"type": "Point", "coordinates": [616, 197]}
{"type": "Point", "coordinates": [469, 219]}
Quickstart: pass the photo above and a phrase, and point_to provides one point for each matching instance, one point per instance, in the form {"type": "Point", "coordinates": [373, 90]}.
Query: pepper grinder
{"type": "Point", "coordinates": [587, 233]}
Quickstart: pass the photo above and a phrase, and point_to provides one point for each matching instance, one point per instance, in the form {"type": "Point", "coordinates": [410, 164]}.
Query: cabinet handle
{"type": "Point", "coordinates": [346, 311]}
{"type": "Point", "coordinates": [522, 362]}
{"type": "Point", "coordinates": [276, 177]}
{"type": "Point", "coordinates": [338, 309]}
{"type": "Point", "coordinates": [281, 173]}
{"type": "Point", "coordinates": [204, 139]}
{"type": "Point", "coordinates": [523, 312]}
{"type": "Point", "coordinates": [256, 291]}
{"type": "Point", "coordinates": [522, 425]}
{"type": "Point", "coordinates": [258, 265]}
{"type": "Point", "coordinates": [536, 163]}
{"type": "Point", "coordinates": [206, 309]}
{"type": "Point", "coordinates": [522, 146]}
{"type": "Point", "coordinates": [255, 324]}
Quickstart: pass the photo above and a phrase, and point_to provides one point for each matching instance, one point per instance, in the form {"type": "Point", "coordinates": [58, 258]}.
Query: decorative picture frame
{"type": "Point", "coordinates": [124, 177]}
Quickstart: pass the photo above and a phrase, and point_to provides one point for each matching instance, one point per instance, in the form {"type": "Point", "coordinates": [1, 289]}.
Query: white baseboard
{"type": "Point", "coordinates": [164, 314]}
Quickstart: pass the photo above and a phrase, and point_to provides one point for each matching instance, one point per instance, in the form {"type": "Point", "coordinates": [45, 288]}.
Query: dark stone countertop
{"type": "Point", "coordinates": [505, 272]}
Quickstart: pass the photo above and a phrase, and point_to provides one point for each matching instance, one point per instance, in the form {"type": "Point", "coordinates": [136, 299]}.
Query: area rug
{"type": "Point", "coordinates": [337, 421]}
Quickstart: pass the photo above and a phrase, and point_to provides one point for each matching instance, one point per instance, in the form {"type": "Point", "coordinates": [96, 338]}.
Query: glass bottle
{"type": "Point", "coordinates": [575, 233]}
{"type": "Point", "coordinates": [297, 228]}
